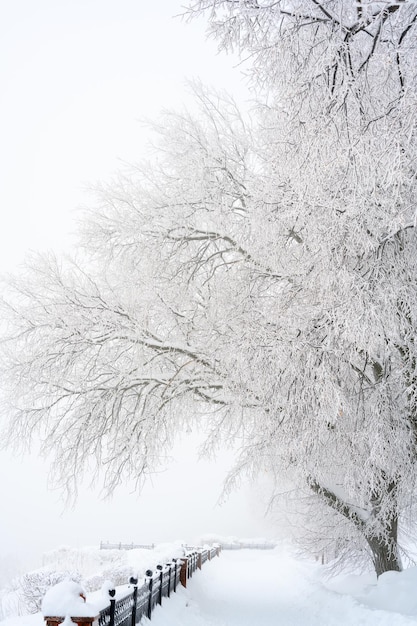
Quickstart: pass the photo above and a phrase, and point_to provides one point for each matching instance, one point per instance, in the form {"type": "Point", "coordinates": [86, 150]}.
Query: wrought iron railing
{"type": "Point", "coordinates": [120, 612]}
{"type": "Point", "coordinates": [140, 600]}
{"type": "Point", "coordinates": [158, 584]}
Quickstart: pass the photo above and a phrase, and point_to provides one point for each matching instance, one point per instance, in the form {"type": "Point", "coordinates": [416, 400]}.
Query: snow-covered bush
{"type": "Point", "coordinates": [88, 560]}
{"type": "Point", "coordinates": [11, 601]}
{"type": "Point", "coordinates": [92, 583]}
{"type": "Point", "coordinates": [119, 575]}
{"type": "Point", "coordinates": [33, 586]}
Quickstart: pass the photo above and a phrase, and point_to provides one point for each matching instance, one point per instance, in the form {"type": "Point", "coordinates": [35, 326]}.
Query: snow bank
{"type": "Point", "coordinates": [67, 598]}
{"type": "Point", "coordinates": [394, 591]}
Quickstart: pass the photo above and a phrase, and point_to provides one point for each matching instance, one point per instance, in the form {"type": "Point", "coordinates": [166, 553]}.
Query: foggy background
{"type": "Point", "coordinates": [77, 77]}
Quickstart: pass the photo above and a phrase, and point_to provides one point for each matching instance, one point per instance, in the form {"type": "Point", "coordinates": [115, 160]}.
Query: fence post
{"type": "Point", "coordinates": [134, 581]}
{"type": "Point", "coordinates": [193, 563]}
{"type": "Point", "coordinates": [161, 576]}
{"type": "Point", "coordinates": [150, 574]}
{"type": "Point", "coordinates": [183, 572]}
{"type": "Point", "coordinates": [169, 566]}
{"type": "Point", "coordinates": [112, 593]}
{"type": "Point", "coordinates": [175, 573]}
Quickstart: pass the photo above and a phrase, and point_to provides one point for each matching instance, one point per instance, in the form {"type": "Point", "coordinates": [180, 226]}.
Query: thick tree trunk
{"type": "Point", "coordinates": [384, 547]}
{"type": "Point", "coordinates": [385, 558]}
{"type": "Point", "coordinates": [385, 554]}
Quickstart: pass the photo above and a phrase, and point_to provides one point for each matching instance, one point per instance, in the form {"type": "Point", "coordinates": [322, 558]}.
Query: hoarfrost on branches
{"type": "Point", "coordinates": [258, 276]}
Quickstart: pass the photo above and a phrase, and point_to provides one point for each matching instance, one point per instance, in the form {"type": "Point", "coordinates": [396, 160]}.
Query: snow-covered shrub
{"type": "Point", "coordinates": [92, 583]}
{"type": "Point", "coordinates": [34, 585]}
{"type": "Point", "coordinates": [10, 601]}
{"type": "Point", "coordinates": [119, 575]}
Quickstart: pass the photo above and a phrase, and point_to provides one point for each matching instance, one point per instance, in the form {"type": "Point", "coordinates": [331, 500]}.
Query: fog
{"type": "Point", "coordinates": [182, 502]}
{"type": "Point", "coordinates": [77, 78]}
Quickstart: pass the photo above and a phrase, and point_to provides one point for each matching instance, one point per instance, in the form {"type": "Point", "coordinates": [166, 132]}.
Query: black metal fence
{"type": "Point", "coordinates": [119, 612]}
{"type": "Point", "coordinates": [158, 584]}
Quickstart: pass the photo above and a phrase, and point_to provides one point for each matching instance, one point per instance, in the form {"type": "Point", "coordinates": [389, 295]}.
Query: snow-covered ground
{"type": "Point", "coordinates": [250, 588]}
{"type": "Point", "coordinates": [270, 587]}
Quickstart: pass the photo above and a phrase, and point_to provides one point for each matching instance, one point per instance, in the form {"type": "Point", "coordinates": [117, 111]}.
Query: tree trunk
{"type": "Point", "coordinates": [385, 558]}
{"type": "Point", "coordinates": [385, 554]}
{"type": "Point", "coordinates": [384, 547]}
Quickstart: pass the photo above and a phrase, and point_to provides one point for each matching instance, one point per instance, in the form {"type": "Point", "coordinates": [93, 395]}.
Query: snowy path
{"type": "Point", "coordinates": [272, 588]}
{"type": "Point", "coordinates": [265, 588]}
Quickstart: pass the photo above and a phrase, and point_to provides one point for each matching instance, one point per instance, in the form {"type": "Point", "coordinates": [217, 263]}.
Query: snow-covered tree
{"type": "Point", "coordinates": [343, 83]}
{"type": "Point", "coordinates": [328, 51]}
{"type": "Point", "coordinates": [258, 277]}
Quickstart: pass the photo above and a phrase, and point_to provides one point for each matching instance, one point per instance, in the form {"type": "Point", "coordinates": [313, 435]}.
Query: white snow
{"type": "Point", "coordinates": [266, 588]}
{"type": "Point", "coordinates": [68, 598]}
{"type": "Point", "coordinates": [27, 620]}
{"type": "Point", "coordinates": [251, 588]}
{"type": "Point", "coordinates": [395, 592]}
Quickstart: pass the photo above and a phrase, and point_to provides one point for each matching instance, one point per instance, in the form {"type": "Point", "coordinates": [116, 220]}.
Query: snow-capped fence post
{"type": "Point", "coordinates": [134, 581]}
{"type": "Point", "coordinates": [194, 562]}
{"type": "Point", "coordinates": [184, 571]}
{"type": "Point", "coordinates": [169, 566]}
{"type": "Point", "coordinates": [149, 573]}
{"type": "Point", "coordinates": [112, 593]}
{"type": "Point", "coordinates": [161, 577]}
{"type": "Point", "coordinates": [177, 568]}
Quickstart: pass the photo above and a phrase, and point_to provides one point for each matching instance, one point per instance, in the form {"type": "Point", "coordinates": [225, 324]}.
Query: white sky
{"type": "Point", "coordinates": [76, 77]}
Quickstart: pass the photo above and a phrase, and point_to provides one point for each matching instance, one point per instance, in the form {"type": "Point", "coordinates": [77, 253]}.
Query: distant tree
{"type": "Point", "coordinates": [258, 277]}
